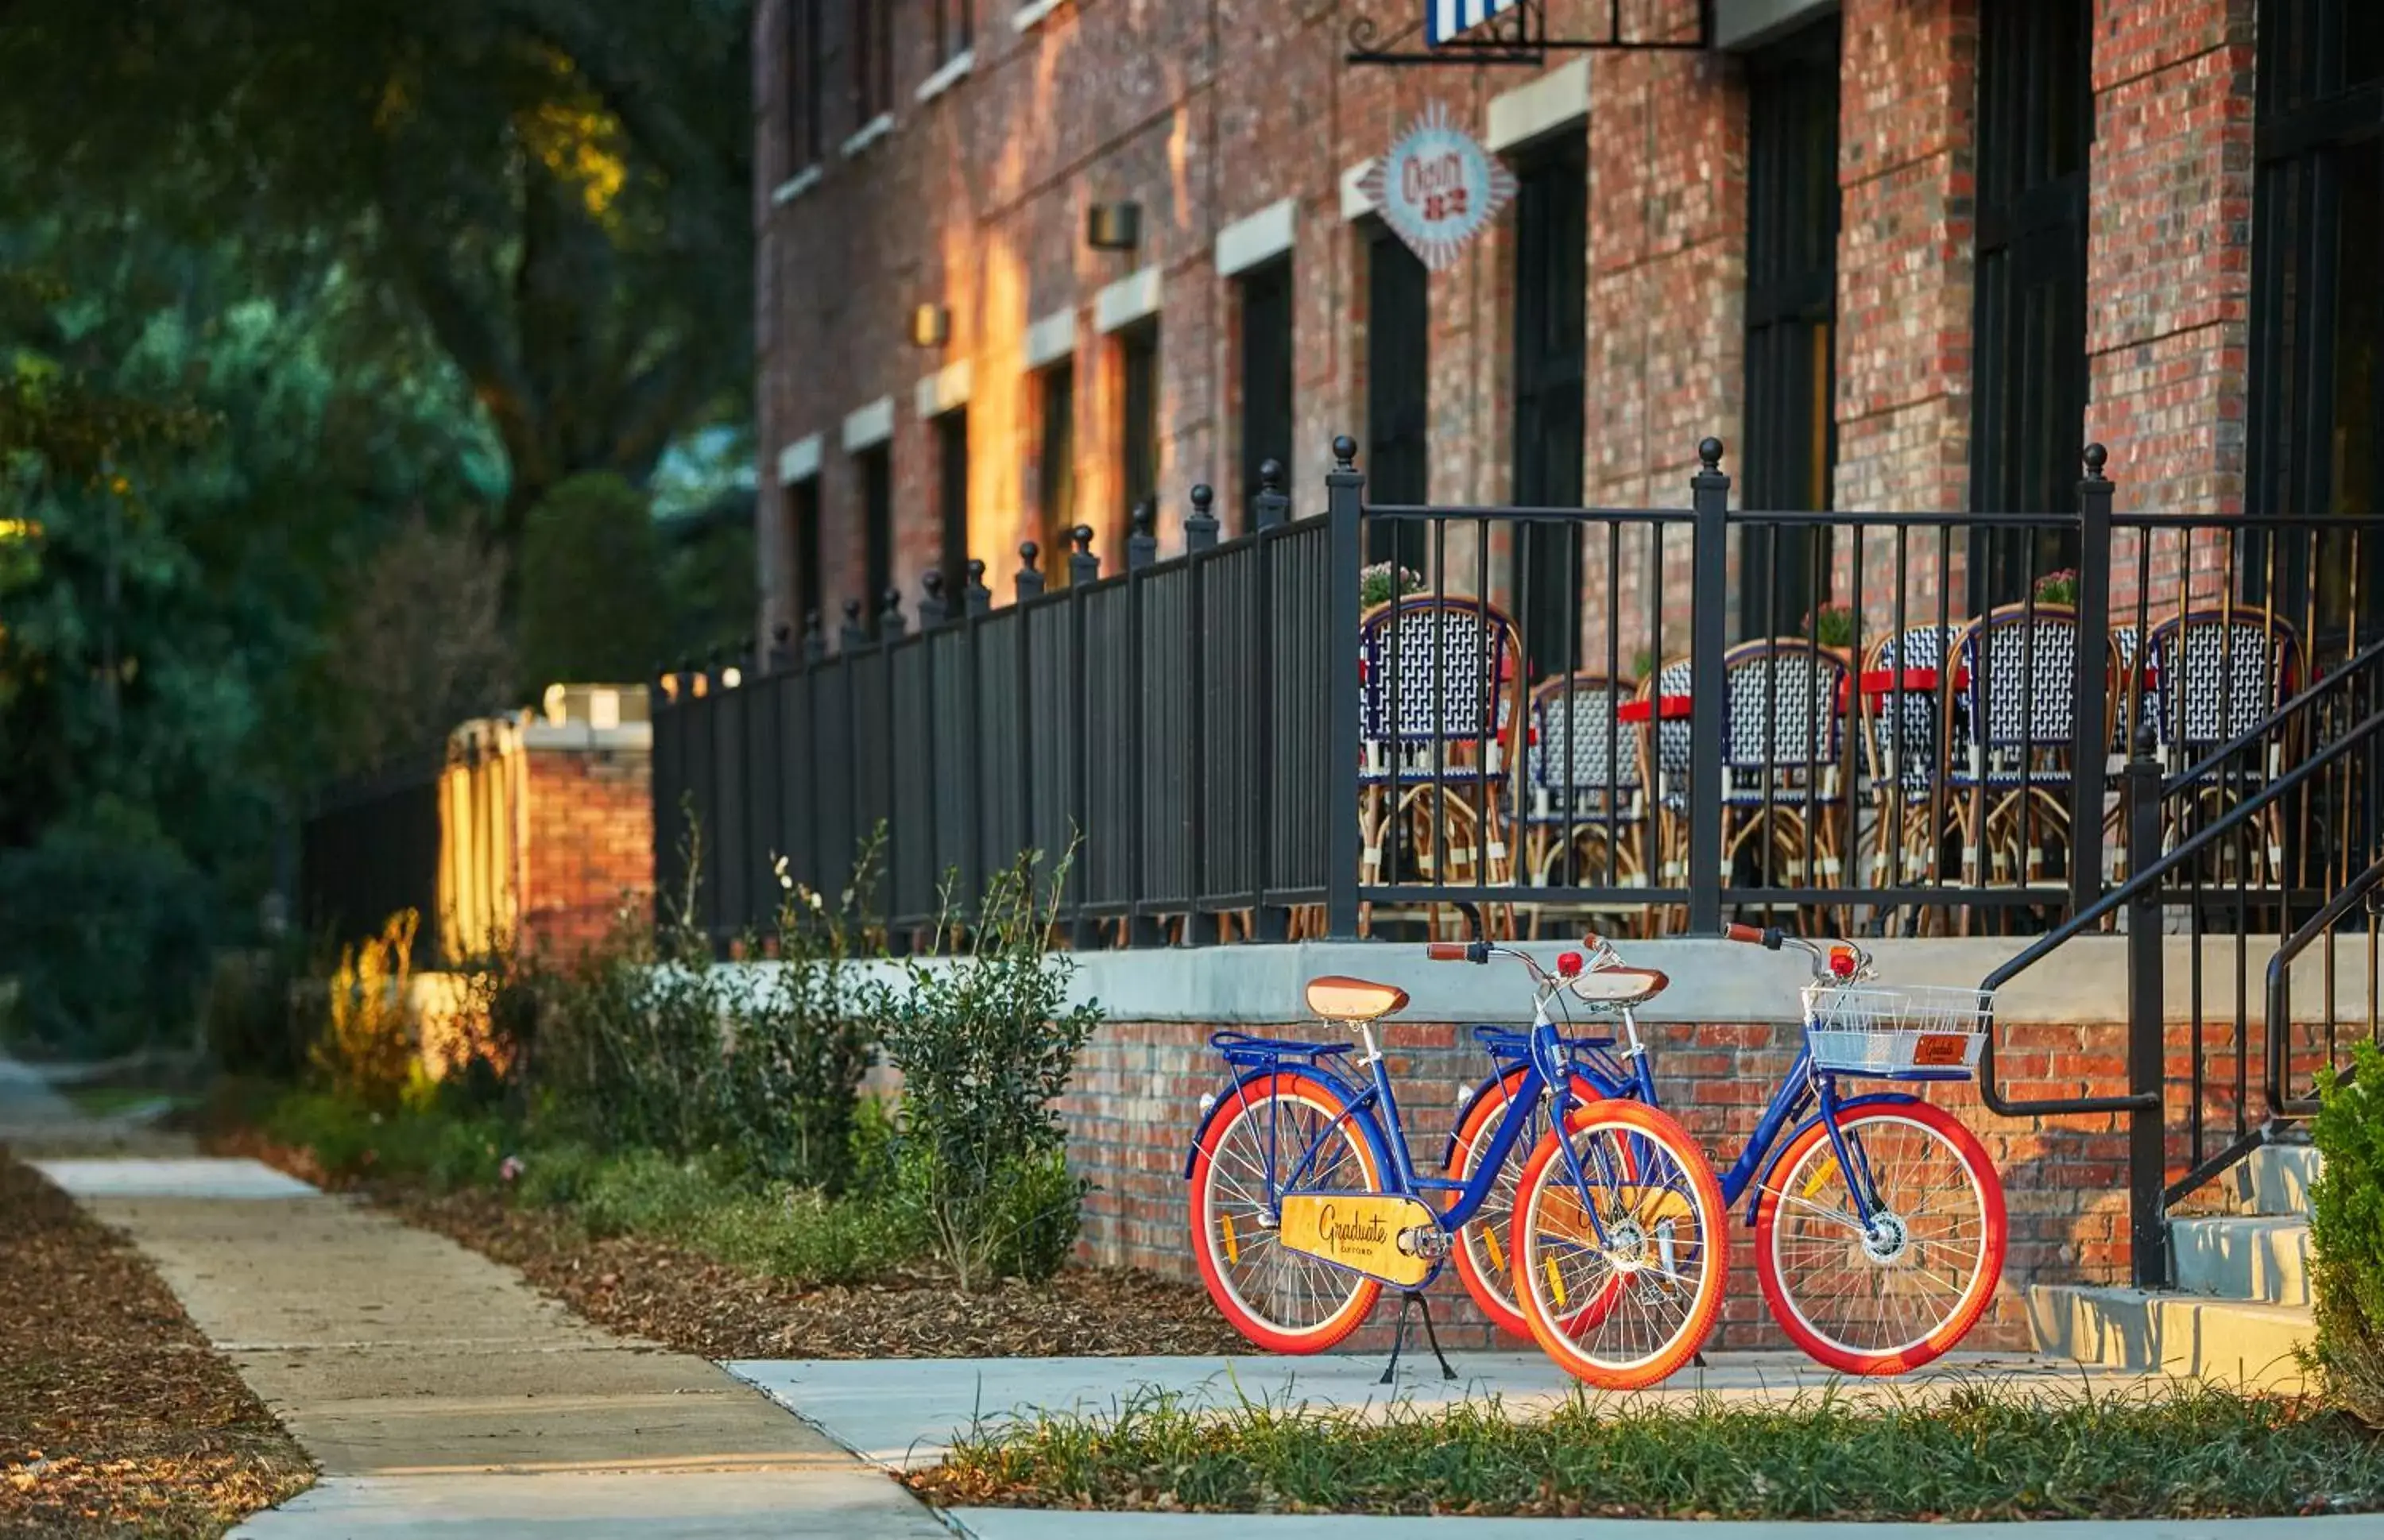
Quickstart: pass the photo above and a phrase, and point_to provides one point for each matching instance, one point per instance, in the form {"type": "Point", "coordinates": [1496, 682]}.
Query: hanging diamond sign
{"type": "Point", "coordinates": [1438, 188]}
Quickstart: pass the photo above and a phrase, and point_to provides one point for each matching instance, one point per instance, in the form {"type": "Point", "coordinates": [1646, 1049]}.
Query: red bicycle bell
{"type": "Point", "coordinates": [1842, 962]}
{"type": "Point", "coordinates": [1569, 965]}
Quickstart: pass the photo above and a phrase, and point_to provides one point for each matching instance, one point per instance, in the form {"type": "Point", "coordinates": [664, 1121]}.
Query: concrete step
{"type": "Point", "coordinates": [2273, 1179]}
{"type": "Point", "coordinates": [2183, 1334]}
{"type": "Point", "coordinates": [2263, 1258]}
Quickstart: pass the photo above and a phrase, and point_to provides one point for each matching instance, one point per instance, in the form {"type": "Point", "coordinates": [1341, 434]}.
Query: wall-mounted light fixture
{"type": "Point", "coordinates": [931, 326]}
{"type": "Point", "coordinates": [1114, 227]}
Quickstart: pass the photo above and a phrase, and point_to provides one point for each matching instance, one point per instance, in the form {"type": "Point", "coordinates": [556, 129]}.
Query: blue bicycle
{"type": "Point", "coordinates": [1306, 1199]}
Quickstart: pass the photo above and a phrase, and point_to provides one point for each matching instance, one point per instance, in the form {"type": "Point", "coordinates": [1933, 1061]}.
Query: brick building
{"type": "Point", "coordinates": [1900, 255]}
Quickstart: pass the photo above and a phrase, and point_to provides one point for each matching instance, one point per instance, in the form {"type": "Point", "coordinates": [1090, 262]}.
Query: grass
{"type": "Point", "coordinates": [775, 1230]}
{"type": "Point", "coordinates": [1979, 1452]}
{"type": "Point", "coordinates": [102, 1101]}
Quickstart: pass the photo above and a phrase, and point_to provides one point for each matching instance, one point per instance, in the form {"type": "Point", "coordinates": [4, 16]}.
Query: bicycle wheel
{"type": "Point", "coordinates": [1620, 1275]}
{"type": "Point", "coordinates": [1894, 1297]}
{"type": "Point", "coordinates": [1481, 1250]}
{"type": "Point", "coordinates": [1284, 1302]}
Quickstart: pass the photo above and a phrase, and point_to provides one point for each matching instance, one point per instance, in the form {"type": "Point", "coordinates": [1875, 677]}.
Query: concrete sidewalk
{"type": "Point", "coordinates": [441, 1395]}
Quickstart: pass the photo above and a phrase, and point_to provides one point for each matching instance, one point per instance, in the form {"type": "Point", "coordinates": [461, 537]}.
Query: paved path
{"type": "Point", "coordinates": [441, 1395]}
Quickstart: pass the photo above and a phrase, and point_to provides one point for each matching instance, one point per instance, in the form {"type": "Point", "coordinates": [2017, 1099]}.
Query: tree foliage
{"type": "Point", "coordinates": [558, 189]}
{"type": "Point", "coordinates": [593, 607]}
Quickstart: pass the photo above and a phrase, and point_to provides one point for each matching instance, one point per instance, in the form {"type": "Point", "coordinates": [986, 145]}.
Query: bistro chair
{"type": "Point", "coordinates": [2012, 704]}
{"type": "Point", "coordinates": [1782, 756]}
{"type": "Point", "coordinates": [1439, 702]}
{"type": "Point", "coordinates": [2210, 676]}
{"type": "Point", "coordinates": [1901, 717]}
{"type": "Point", "coordinates": [1582, 797]}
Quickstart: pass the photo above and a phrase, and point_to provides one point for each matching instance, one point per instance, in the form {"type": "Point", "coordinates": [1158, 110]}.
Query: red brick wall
{"type": "Point", "coordinates": [588, 844]}
{"type": "Point", "coordinates": [1135, 1101]}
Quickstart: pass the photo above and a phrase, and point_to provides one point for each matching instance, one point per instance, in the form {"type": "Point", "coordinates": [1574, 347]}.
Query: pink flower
{"type": "Point", "coordinates": [509, 1172]}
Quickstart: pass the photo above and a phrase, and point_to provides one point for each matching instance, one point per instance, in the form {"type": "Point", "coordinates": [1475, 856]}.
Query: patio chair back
{"type": "Point", "coordinates": [2215, 673]}
{"type": "Point", "coordinates": [1437, 671]}
{"type": "Point", "coordinates": [1903, 737]}
{"type": "Point", "coordinates": [1577, 755]}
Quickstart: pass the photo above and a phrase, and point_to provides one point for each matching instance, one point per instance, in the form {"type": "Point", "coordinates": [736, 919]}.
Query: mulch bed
{"type": "Point", "coordinates": [686, 1300]}
{"type": "Point", "coordinates": [116, 1416]}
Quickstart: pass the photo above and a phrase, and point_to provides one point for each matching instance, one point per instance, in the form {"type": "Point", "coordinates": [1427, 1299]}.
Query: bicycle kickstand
{"type": "Point", "coordinates": [1408, 1298]}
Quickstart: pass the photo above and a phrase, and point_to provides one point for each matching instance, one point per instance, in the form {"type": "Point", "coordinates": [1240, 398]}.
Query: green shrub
{"type": "Point", "coordinates": [985, 1042]}
{"type": "Point", "coordinates": [798, 1047]}
{"type": "Point", "coordinates": [369, 1053]}
{"type": "Point", "coordinates": [594, 605]}
{"type": "Point", "coordinates": [2347, 1236]}
{"type": "Point", "coordinates": [447, 1150]}
{"type": "Point", "coordinates": [108, 935]}
{"type": "Point", "coordinates": [252, 1025]}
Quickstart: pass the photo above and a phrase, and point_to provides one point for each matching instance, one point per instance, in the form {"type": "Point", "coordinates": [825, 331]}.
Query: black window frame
{"type": "Point", "coordinates": [873, 61]}
{"type": "Point", "coordinates": [802, 516]}
{"type": "Point", "coordinates": [874, 475]}
{"type": "Point", "coordinates": [1550, 385]}
{"type": "Point", "coordinates": [2318, 115]}
{"type": "Point", "coordinates": [1137, 349]}
{"type": "Point", "coordinates": [952, 504]}
{"type": "Point", "coordinates": [1055, 471]}
{"type": "Point", "coordinates": [2036, 156]}
{"type": "Point", "coordinates": [955, 28]}
{"type": "Point", "coordinates": [1793, 207]}
{"type": "Point", "coordinates": [1263, 328]}
{"type": "Point", "coordinates": [1399, 391]}
{"type": "Point", "coordinates": [806, 127]}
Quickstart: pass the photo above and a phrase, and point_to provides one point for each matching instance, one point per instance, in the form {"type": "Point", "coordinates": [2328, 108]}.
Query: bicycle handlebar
{"type": "Point", "coordinates": [1452, 951]}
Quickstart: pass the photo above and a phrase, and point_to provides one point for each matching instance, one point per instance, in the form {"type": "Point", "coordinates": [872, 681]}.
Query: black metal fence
{"type": "Point", "coordinates": [369, 847]}
{"type": "Point", "coordinates": [1267, 737]}
{"type": "Point", "coordinates": [1159, 727]}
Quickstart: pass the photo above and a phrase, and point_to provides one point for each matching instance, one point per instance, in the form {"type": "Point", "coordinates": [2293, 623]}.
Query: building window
{"type": "Point", "coordinates": [873, 60]}
{"type": "Point", "coordinates": [877, 466]}
{"type": "Point", "coordinates": [1551, 345]}
{"type": "Point", "coordinates": [805, 133]}
{"type": "Point", "coordinates": [955, 28]}
{"type": "Point", "coordinates": [2036, 124]}
{"type": "Point", "coordinates": [1266, 376]}
{"type": "Point", "coordinates": [1792, 305]}
{"type": "Point", "coordinates": [2317, 315]}
{"type": "Point", "coordinates": [1398, 354]}
{"type": "Point", "coordinates": [1138, 355]}
{"type": "Point", "coordinates": [951, 496]}
{"type": "Point", "coordinates": [1057, 469]}
{"type": "Point", "coordinates": [803, 550]}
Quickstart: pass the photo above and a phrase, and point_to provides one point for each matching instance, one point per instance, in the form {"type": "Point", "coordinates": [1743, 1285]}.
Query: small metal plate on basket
{"type": "Point", "coordinates": [1941, 1049]}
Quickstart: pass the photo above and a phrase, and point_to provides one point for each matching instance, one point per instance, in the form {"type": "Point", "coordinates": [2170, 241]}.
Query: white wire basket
{"type": "Point", "coordinates": [1923, 1030]}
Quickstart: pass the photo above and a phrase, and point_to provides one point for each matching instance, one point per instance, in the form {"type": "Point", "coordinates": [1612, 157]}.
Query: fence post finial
{"type": "Point", "coordinates": [1271, 506]}
{"type": "Point", "coordinates": [979, 597]}
{"type": "Point", "coordinates": [2096, 458]}
{"type": "Point", "coordinates": [855, 634]}
{"type": "Point", "coordinates": [814, 636]}
{"type": "Point", "coordinates": [1030, 570]}
{"type": "Point", "coordinates": [782, 646]}
{"type": "Point", "coordinates": [1345, 454]}
{"type": "Point", "coordinates": [1082, 565]}
{"type": "Point", "coordinates": [931, 600]}
{"type": "Point", "coordinates": [1200, 524]}
{"type": "Point", "coordinates": [889, 618]}
{"type": "Point", "coordinates": [1710, 456]}
{"type": "Point", "coordinates": [1142, 543]}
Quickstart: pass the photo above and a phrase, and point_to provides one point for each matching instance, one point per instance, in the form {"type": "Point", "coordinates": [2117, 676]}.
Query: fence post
{"type": "Point", "coordinates": [815, 638]}
{"type": "Point", "coordinates": [1200, 538]}
{"type": "Point", "coordinates": [1201, 525]}
{"type": "Point", "coordinates": [931, 600]}
{"type": "Point", "coordinates": [1029, 586]}
{"type": "Point", "coordinates": [1083, 569]}
{"type": "Point", "coordinates": [1709, 500]}
{"type": "Point", "coordinates": [2090, 756]}
{"type": "Point", "coordinates": [855, 635]}
{"type": "Point", "coordinates": [2147, 1046]}
{"type": "Point", "coordinates": [1344, 499]}
{"type": "Point", "coordinates": [1142, 541]}
{"type": "Point", "coordinates": [782, 647]}
{"type": "Point", "coordinates": [979, 597]}
{"type": "Point", "coordinates": [890, 625]}
{"type": "Point", "coordinates": [1273, 505]}
{"type": "Point", "coordinates": [1141, 550]}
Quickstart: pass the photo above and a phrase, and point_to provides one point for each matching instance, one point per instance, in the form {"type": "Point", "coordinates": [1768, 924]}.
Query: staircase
{"type": "Point", "coordinates": [2241, 1304]}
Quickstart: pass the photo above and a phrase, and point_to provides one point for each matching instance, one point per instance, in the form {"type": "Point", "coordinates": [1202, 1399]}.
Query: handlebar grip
{"type": "Point", "coordinates": [1742, 933]}
{"type": "Point", "coordinates": [1446, 951]}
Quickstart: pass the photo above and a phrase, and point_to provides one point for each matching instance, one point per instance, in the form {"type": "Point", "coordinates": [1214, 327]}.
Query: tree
{"type": "Point", "coordinates": [559, 188]}
{"type": "Point", "coordinates": [593, 609]}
